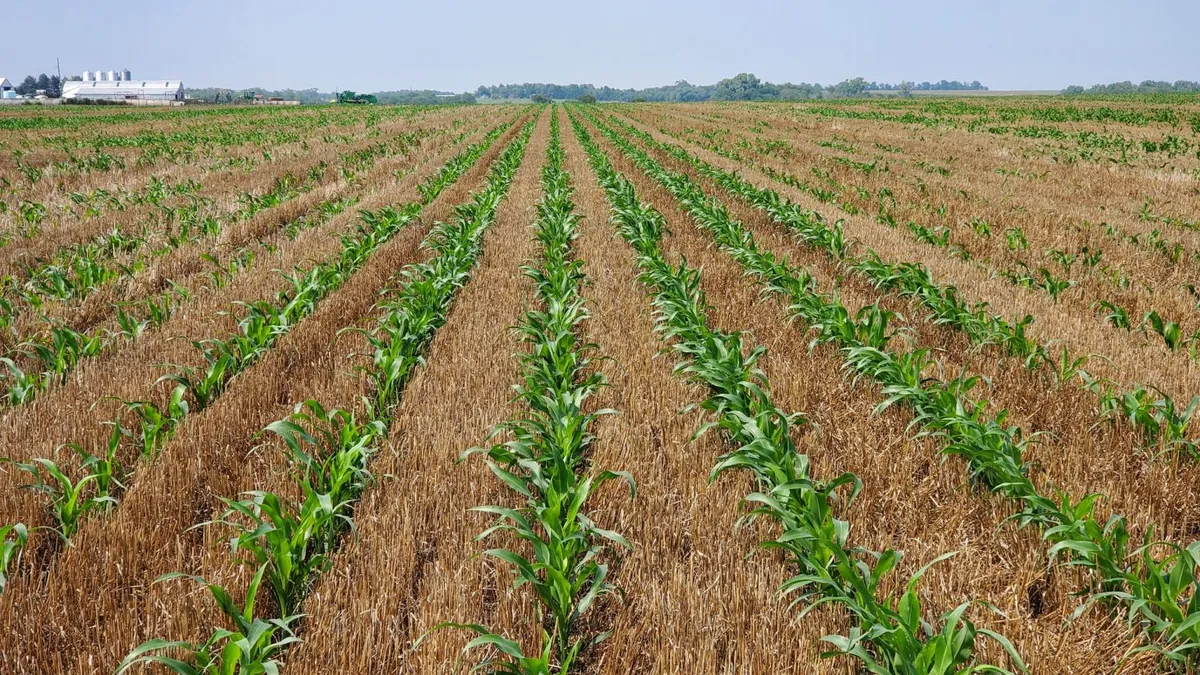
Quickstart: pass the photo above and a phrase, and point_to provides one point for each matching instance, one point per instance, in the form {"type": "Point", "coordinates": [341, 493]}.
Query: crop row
{"type": "Point", "coordinates": [1016, 258]}
{"type": "Point", "coordinates": [889, 635]}
{"type": "Point", "coordinates": [1155, 582]}
{"type": "Point", "coordinates": [50, 356]}
{"type": "Point", "coordinates": [1162, 422]}
{"type": "Point", "coordinates": [545, 462]}
{"type": "Point", "coordinates": [101, 476]}
{"type": "Point", "coordinates": [289, 543]}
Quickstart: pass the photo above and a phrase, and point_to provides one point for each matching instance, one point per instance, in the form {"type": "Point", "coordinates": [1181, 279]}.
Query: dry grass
{"type": "Point", "coordinates": [1080, 452]}
{"type": "Point", "coordinates": [929, 508]}
{"type": "Point", "coordinates": [698, 596]}
{"type": "Point", "coordinates": [98, 603]}
{"type": "Point", "coordinates": [388, 595]}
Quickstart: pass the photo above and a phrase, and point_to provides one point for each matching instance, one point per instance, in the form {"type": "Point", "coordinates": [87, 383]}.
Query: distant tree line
{"type": "Point", "coordinates": [228, 95]}
{"type": "Point", "coordinates": [50, 84]}
{"type": "Point", "coordinates": [742, 87]}
{"type": "Point", "coordinates": [1146, 87]}
{"type": "Point", "coordinates": [422, 97]}
{"type": "Point", "coordinates": [943, 85]}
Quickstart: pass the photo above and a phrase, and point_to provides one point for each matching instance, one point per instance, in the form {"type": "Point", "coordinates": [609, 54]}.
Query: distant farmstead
{"type": "Point", "coordinates": [120, 86]}
{"type": "Point", "coordinates": [6, 89]}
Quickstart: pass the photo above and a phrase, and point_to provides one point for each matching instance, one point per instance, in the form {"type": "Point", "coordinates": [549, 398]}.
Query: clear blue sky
{"type": "Point", "coordinates": [457, 45]}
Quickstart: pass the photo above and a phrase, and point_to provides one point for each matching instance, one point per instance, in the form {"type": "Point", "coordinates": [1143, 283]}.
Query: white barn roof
{"type": "Point", "coordinates": [123, 89]}
{"type": "Point", "coordinates": [5, 84]}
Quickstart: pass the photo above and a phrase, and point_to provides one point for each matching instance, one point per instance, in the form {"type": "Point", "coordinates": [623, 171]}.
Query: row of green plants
{"type": "Point", "coordinates": [888, 633]}
{"type": "Point", "coordinates": [95, 485]}
{"type": "Point", "coordinates": [76, 271]}
{"type": "Point", "coordinates": [1154, 583]}
{"type": "Point", "coordinates": [87, 205]}
{"type": "Point", "coordinates": [1161, 422]}
{"type": "Point", "coordinates": [1073, 146]}
{"type": "Point", "coordinates": [91, 204]}
{"type": "Point", "coordinates": [36, 363]}
{"type": "Point", "coordinates": [61, 349]}
{"type": "Point", "coordinates": [289, 543]}
{"type": "Point", "coordinates": [219, 117]}
{"type": "Point", "coordinates": [545, 462]}
{"type": "Point", "coordinates": [716, 139]}
{"type": "Point", "coordinates": [185, 146]}
{"type": "Point", "coordinates": [1043, 278]}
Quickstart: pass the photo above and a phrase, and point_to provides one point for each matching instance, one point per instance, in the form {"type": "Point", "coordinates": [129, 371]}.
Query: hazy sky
{"type": "Point", "coordinates": [457, 45]}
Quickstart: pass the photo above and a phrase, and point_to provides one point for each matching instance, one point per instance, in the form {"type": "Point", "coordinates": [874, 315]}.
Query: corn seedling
{"type": "Point", "coordinates": [252, 648]}
{"type": "Point", "coordinates": [12, 542]}
{"type": "Point", "coordinates": [70, 500]}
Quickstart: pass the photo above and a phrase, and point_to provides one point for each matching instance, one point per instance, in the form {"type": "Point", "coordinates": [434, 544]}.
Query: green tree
{"type": "Point", "coordinates": [849, 88]}
{"type": "Point", "coordinates": [538, 98]}
{"type": "Point", "coordinates": [587, 98]}
{"type": "Point", "coordinates": [28, 86]}
{"type": "Point", "coordinates": [43, 83]}
{"type": "Point", "coordinates": [740, 87]}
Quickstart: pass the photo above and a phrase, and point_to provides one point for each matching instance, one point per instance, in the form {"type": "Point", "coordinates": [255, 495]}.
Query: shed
{"type": "Point", "coordinates": [124, 90]}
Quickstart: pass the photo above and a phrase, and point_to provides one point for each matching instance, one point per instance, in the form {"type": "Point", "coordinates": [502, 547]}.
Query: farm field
{"type": "Point", "coordinates": [889, 386]}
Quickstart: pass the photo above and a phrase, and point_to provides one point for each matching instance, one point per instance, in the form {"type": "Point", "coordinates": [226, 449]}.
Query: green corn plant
{"type": "Point", "coordinates": [1067, 368]}
{"type": "Point", "coordinates": [130, 327]}
{"type": "Point", "coordinates": [1174, 423]}
{"type": "Point", "coordinates": [903, 642]}
{"type": "Point", "coordinates": [1164, 595]}
{"type": "Point", "coordinates": [512, 659]}
{"type": "Point", "coordinates": [1015, 237]}
{"type": "Point", "coordinates": [329, 448]}
{"type": "Point", "coordinates": [204, 385]}
{"type": "Point", "coordinates": [1053, 286]}
{"type": "Point", "coordinates": [65, 348]}
{"type": "Point", "coordinates": [12, 542]}
{"type": "Point", "coordinates": [1066, 260]}
{"type": "Point", "coordinates": [290, 541]}
{"type": "Point", "coordinates": [563, 572]}
{"type": "Point", "coordinates": [1091, 257]}
{"type": "Point", "coordinates": [252, 648]}
{"type": "Point", "coordinates": [20, 387]}
{"type": "Point", "coordinates": [156, 425]}
{"type": "Point", "coordinates": [982, 227]}
{"type": "Point", "coordinates": [70, 500]}
{"type": "Point", "coordinates": [1169, 331]}
{"type": "Point", "coordinates": [106, 469]}
{"type": "Point", "coordinates": [1115, 315]}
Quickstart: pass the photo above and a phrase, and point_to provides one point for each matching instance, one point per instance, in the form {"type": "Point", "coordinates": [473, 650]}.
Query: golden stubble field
{"type": "Point", "coordinates": [883, 386]}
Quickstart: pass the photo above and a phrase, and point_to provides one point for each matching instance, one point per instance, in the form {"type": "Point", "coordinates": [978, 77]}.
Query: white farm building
{"type": "Point", "coordinates": [120, 86]}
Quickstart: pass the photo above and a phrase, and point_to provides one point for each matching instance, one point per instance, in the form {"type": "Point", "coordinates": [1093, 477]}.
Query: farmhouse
{"type": "Point", "coordinates": [6, 89]}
